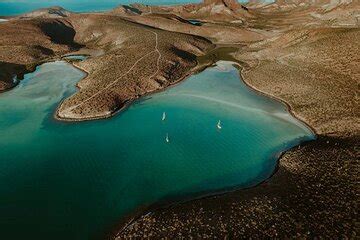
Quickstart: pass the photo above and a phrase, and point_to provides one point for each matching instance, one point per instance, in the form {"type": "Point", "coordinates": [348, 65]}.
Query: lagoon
{"type": "Point", "coordinates": [61, 180]}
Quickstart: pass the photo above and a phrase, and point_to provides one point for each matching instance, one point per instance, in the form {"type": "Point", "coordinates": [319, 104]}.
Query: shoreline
{"type": "Point", "coordinates": [144, 210]}
{"type": "Point", "coordinates": [311, 193]}
{"type": "Point", "coordinates": [288, 106]}
{"type": "Point", "coordinates": [196, 69]}
{"type": "Point", "coordinates": [32, 68]}
{"type": "Point", "coordinates": [129, 219]}
{"type": "Point", "coordinates": [166, 204]}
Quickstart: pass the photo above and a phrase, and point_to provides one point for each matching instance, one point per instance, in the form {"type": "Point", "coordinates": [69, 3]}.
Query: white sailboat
{"type": "Point", "coordinates": [219, 125]}
{"type": "Point", "coordinates": [163, 116]}
{"type": "Point", "coordinates": [167, 138]}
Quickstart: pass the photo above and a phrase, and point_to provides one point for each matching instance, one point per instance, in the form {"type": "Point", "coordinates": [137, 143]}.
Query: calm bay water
{"type": "Point", "coordinates": [13, 7]}
{"type": "Point", "coordinates": [76, 180]}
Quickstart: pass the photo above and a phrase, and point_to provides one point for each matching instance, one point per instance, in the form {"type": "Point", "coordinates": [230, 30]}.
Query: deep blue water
{"type": "Point", "coordinates": [13, 7]}
{"type": "Point", "coordinates": [76, 180]}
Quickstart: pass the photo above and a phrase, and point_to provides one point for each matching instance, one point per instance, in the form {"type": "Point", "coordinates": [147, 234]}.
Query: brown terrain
{"type": "Point", "coordinates": [309, 58]}
{"type": "Point", "coordinates": [137, 60]}
{"type": "Point", "coordinates": [129, 59]}
{"type": "Point", "coordinates": [26, 43]}
{"type": "Point", "coordinates": [305, 53]}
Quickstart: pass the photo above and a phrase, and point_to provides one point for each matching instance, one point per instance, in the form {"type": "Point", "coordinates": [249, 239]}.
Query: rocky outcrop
{"type": "Point", "coordinates": [126, 9]}
{"type": "Point", "coordinates": [217, 10]}
{"type": "Point", "coordinates": [51, 12]}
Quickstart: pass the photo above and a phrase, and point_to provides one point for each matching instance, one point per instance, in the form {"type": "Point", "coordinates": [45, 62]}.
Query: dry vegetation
{"type": "Point", "coordinates": [26, 43]}
{"type": "Point", "coordinates": [305, 54]}
{"type": "Point", "coordinates": [314, 192]}
{"type": "Point", "coordinates": [137, 60]}
{"type": "Point", "coordinates": [312, 63]}
{"type": "Point", "coordinates": [131, 59]}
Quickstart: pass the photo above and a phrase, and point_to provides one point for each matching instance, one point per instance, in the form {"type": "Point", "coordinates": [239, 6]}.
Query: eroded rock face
{"type": "Point", "coordinates": [51, 12]}
{"type": "Point", "coordinates": [126, 9]}
{"type": "Point", "coordinates": [220, 10]}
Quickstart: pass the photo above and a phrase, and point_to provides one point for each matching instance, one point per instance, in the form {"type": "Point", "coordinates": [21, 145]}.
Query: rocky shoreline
{"type": "Point", "coordinates": [286, 206]}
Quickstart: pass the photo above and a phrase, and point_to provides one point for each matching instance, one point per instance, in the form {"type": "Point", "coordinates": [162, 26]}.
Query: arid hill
{"type": "Point", "coordinates": [309, 58]}
{"type": "Point", "coordinates": [223, 22]}
{"type": "Point", "coordinates": [131, 59]}
{"type": "Point", "coordinates": [52, 12]}
{"type": "Point", "coordinates": [215, 10]}
{"type": "Point", "coordinates": [25, 43]}
{"type": "Point", "coordinates": [137, 60]}
{"type": "Point", "coordinates": [303, 52]}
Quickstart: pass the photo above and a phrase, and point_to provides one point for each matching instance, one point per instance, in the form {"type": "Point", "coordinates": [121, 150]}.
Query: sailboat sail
{"type": "Point", "coordinates": [219, 125]}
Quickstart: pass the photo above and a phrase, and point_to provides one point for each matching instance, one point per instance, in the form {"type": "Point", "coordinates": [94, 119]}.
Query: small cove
{"type": "Point", "coordinates": [75, 180]}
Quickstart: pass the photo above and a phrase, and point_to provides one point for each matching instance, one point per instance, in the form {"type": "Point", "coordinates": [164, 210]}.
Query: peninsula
{"type": "Point", "coordinates": [303, 53]}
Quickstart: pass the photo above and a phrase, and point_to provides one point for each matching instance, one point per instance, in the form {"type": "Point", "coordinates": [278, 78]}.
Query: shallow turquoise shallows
{"type": "Point", "coordinates": [13, 7]}
{"type": "Point", "coordinates": [77, 180]}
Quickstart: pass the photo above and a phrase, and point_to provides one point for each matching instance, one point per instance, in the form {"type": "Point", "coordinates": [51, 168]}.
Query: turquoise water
{"type": "Point", "coordinates": [196, 22]}
{"type": "Point", "coordinates": [63, 180]}
{"type": "Point", "coordinates": [13, 7]}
